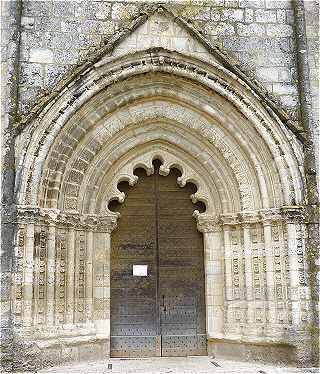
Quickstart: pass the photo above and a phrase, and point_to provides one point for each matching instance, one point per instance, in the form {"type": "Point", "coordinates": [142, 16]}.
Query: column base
{"type": "Point", "coordinates": [58, 345]}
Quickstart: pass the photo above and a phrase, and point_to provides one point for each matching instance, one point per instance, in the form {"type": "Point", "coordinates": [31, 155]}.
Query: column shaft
{"type": "Point", "coordinates": [293, 272]}
{"type": "Point", "coordinates": [70, 277]}
{"type": "Point", "coordinates": [214, 282]}
{"type": "Point", "coordinates": [101, 291]}
{"type": "Point", "coordinates": [248, 273]}
{"type": "Point", "coordinates": [269, 272]}
{"type": "Point", "coordinates": [227, 262]}
{"type": "Point", "coordinates": [28, 275]}
{"type": "Point", "coordinates": [88, 283]}
{"type": "Point", "coordinates": [51, 255]}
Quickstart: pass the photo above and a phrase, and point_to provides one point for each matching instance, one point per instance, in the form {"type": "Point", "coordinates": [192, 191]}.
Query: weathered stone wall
{"type": "Point", "coordinates": [312, 29]}
{"type": "Point", "coordinates": [58, 35]}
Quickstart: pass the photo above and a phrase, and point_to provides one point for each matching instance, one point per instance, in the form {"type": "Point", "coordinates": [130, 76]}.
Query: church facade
{"type": "Point", "coordinates": [159, 200]}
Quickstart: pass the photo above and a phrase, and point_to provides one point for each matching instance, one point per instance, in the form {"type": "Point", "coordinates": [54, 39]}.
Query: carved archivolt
{"type": "Point", "coordinates": [213, 77]}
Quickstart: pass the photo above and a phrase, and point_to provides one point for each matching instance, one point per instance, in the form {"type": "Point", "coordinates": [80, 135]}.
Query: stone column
{"type": "Point", "coordinates": [270, 273]}
{"type": "Point", "coordinates": [51, 256]}
{"type": "Point", "coordinates": [228, 275]}
{"type": "Point", "coordinates": [227, 262]}
{"type": "Point", "coordinates": [101, 283]}
{"type": "Point", "coordinates": [293, 216]}
{"type": "Point", "coordinates": [70, 277]}
{"type": "Point", "coordinates": [88, 282]}
{"type": "Point", "coordinates": [28, 275]}
{"type": "Point", "coordinates": [214, 277]}
{"type": "Point", "coordinates": [232, 304]}
{"type": "Point", "coordinates": [247, 220]}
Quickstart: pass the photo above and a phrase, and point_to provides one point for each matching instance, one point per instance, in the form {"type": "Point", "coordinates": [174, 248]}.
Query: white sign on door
{"type": "Point", "coordinates": [140, 270]}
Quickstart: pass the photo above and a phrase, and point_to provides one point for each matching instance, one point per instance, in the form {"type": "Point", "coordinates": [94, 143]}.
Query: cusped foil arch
{"type": "Point", "coordinates": [125, 172]}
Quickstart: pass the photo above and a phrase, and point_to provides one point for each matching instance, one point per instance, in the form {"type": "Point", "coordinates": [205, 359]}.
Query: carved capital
{"type": "Point", "coordinates": [51, 216]}
{"type": "Point", "coordinates": [48, 216]}
{"type": "Point", "coordinates": [292, 214]}
{"type": "Point", "coordinates": [90, 221]}
{"type": "Point", "coordinates": [248, 217]}
{"type": "Point", "coordinates": [229, 219]}
{"type": "Point", "coordinates": [208, 223]}
{"type": "Point", "coordinates": [107, 223]}
{"type": "Point", "coordinates": [270, 215]}
{"type": "Point", "coordinates": [27, 213]}
{"type": "Point", "coordinates": [70, 219]}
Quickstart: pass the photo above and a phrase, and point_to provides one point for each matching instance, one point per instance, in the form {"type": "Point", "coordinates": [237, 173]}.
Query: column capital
{"type": "Point", "coordinates": [270, 215]}
{"type": "Point", "coordinates": [248, 217]}
{"type": "Point", "coordinates": [292, 214]}
{"type": "Point", "coordinates": [27, 214]}
{"type": "Point", "coordinates": [229, 219]}
{"type": "Point", "coordinates": [52, 217]}
{"type": "Point", "coordinates": [107, 223]}
{"type": "Point", "coordinates": [208, 223]}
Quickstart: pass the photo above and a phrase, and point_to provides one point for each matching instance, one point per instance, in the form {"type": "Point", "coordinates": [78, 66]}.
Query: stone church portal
{"type": "Point", "coordinates": [160, 208]}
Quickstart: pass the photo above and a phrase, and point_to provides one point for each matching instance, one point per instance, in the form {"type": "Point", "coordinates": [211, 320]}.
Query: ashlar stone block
{"type": "Point", "coordinates": [41, 55]}
{"type": "Point", "coordinates": [279, 30]}
{"type": "Point", "coordinates": [251, 29]}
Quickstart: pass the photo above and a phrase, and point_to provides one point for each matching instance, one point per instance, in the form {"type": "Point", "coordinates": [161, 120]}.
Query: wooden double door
{"type": "Point", "coordinates": [157, 272]}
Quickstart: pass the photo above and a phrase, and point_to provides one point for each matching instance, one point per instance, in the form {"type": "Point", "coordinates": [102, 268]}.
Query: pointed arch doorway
{"type": "Point", "coordinates": [157, 271]}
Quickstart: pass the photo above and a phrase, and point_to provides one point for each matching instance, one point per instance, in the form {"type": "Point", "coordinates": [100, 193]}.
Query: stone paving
{"type": "Point", "coordinates": [174, 365]}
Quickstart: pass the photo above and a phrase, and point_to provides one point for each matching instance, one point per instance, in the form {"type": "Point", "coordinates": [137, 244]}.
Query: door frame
{"type": "Point", "coordinates": [208, 224]}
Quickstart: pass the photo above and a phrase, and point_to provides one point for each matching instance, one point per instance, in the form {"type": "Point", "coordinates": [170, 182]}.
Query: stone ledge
{"type": "Point", "coordinates": [268, 351]}
{"type": "Point", "coordinates": [251, 341]}
{"type": "Point", "coordinates": [67, 341]}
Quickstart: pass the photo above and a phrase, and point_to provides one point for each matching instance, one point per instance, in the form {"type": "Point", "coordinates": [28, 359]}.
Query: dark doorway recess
{"type": "Point", "coordinates": [161, 313]}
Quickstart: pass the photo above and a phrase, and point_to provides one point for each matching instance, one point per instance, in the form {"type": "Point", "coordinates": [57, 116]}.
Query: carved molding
{"type": "Point", "coordinates": [32, 214]}
{"type": "Point", "coordinates": [27, 214]}
{"type": "Point", "coordinates": [207, 223]}
{"type": "Point", "coordinates": [126, 173]}
{"type": "Point", "coordinates": [292, 214]}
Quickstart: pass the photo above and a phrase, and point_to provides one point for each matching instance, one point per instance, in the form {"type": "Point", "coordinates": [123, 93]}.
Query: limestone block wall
{"type": "Point", "coordinates": [312, 29]}
{"type": "Point", "coordinates": [58, 35]}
